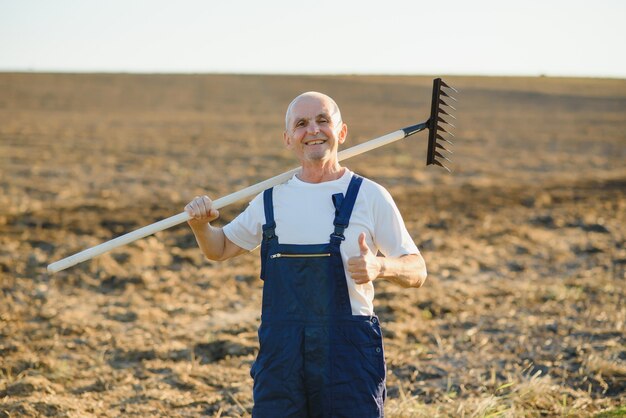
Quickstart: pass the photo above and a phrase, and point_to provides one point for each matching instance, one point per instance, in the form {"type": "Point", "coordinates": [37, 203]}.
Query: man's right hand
{"type": "Point", "coordinates": [201, 211]}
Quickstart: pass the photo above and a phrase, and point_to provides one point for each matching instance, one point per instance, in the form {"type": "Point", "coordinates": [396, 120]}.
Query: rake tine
{"type": "Point", "coordinates": [440, 128]}
{"type": "Point", "coordinates": [450, 87]}
{"type": "Point", "coordinates": [446, 104]}
{"type": "Point", "coordinates": [441, 165]}
{"type": "Point", "coordinates": [442, 120]}
{"type": "Point", "coordinates": [446, 113]}
{"type": "Point", "coordinates": [438, 154]}
{"type": "Point", "coordinates": [438, 136]}
{"type": "Point", "coordinates": [443, 93]}
{"type": "Point", "coordinates": [438, 145]}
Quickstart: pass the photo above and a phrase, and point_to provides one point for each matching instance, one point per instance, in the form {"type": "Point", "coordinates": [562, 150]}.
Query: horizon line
{"type": "Point", "coordinates": [309, 74]}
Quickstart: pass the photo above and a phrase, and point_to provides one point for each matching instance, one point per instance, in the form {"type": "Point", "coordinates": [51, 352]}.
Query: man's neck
{"type": "Point", "coordinates": [319, 173]}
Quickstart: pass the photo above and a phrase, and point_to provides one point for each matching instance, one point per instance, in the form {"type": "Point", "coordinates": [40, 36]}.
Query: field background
{"type": "Point", "coordinates": [523, 314]}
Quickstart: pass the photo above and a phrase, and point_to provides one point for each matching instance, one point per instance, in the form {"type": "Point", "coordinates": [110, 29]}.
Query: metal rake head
{"type": "Point", "coordinates": [437, 125]}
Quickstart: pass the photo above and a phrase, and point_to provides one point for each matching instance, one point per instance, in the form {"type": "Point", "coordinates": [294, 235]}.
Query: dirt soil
{"type": "Point", "coordinates": [523, 313]}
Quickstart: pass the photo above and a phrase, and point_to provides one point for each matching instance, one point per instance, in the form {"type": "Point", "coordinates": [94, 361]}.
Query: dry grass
{"type": "Point", "coordinates": [526, 396]}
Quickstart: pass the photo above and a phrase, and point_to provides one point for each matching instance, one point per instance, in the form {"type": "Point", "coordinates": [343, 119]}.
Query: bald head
{"type": "Point", "coordinates": [335, 114]}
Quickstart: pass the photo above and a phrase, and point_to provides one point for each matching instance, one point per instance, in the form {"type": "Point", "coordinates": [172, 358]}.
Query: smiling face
{"type": "Point", "coordinates": [314, 128]}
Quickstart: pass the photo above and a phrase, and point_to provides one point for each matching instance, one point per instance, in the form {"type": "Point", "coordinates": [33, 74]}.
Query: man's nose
{"type": "Point", "coordinates": [313, 128]}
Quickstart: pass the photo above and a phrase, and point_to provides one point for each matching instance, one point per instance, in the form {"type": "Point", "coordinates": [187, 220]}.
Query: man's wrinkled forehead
{"type": "Point", "coordinates": [301, 106]}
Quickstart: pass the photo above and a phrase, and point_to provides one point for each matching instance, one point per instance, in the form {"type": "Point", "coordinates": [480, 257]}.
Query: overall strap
{"type": "Point", "coordinates": [269, 228]}
{"type": "Point", "coordinates": [344, 209]}
{"type": "Point", "coordinates": [268, 204]}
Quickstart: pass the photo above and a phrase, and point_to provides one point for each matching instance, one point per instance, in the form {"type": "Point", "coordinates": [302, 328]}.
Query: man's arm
{"type": "Point", "coordinates": [407, 271]}
{"type": "Point", "coordinates": [211, 240]}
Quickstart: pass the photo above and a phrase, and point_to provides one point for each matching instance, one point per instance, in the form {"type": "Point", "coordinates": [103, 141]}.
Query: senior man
{"type": "Point", "coordinates": [321, 349]}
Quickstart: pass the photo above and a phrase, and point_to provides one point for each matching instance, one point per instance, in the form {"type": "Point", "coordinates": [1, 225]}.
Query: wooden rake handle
{"type": "Point", "coordinates": [223, 201]}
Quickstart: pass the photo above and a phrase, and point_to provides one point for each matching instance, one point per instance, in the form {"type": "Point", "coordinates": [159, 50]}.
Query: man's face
{"type": "Point", "coordinates": [314, 129]}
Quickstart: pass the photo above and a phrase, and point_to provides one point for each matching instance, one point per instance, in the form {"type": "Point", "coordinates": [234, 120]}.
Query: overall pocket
{"type": "Point", "coordinates": [364, 341]}
{"type": "Point", "coordinates": [288, 255]}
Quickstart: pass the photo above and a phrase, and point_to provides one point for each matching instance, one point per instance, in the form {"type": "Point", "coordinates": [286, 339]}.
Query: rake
{"type": "Point", "coordinates": [437, 127]}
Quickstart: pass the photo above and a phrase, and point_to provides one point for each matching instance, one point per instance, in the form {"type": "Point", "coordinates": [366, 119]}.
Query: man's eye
{"type": "Point", "coordinates": [323, 120]}
{"type": "Point", "coordinates": [300, 124]}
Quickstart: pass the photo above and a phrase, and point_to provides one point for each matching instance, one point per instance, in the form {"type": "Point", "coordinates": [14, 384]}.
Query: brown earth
{"type": "Point", "coordinates": [523, 313]}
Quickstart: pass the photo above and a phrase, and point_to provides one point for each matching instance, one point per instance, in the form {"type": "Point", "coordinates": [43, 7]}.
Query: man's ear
{"type": "Point", "coordinates": [343, 133]}
{"type": "Point", "coordinates": [286, 139]}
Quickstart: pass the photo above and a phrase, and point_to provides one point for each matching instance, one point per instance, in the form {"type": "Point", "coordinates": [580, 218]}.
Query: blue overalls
{"type": "Point", "coordinates": [316, 359]}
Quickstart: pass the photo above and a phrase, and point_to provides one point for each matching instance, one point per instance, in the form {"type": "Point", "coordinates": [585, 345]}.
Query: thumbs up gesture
{"type": "Point", "coordinates": [365, 267]}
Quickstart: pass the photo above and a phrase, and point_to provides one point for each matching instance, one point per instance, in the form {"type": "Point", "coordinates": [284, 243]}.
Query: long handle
{"type": "Point", "coordinates": [222, 202]}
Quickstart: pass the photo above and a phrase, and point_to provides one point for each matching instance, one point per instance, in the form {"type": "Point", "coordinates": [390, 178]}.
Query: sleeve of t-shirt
{"type": "Point", "coordinates": [246, 230]}
{"type": "Point", "coordinates": [390, 234]}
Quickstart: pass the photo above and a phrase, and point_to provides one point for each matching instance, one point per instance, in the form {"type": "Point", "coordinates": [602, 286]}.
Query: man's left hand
{"type": "Point", "coordinates": [366, 267]}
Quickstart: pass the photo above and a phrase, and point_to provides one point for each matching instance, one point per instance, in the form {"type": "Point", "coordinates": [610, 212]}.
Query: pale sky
{"type": "Point", "coordinates": [530, 37]}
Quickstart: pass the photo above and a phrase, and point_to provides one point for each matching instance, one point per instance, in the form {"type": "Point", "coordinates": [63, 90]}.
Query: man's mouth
{"type": "Point", "coordinates": [315, 142]}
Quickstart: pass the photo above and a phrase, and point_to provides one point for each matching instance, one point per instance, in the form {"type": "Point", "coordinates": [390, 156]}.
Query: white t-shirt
{"type": "Point", "coordinates": [304, 214]}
